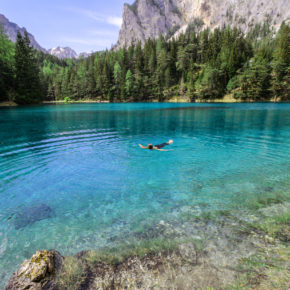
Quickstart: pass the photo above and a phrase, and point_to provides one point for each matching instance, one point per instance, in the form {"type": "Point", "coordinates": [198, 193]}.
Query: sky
{"type": "Point", "coordinates": [83, 25]}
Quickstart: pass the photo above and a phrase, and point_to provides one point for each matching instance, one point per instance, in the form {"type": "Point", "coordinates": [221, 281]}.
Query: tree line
{"type": "Point", "coordinates": [202, 65]}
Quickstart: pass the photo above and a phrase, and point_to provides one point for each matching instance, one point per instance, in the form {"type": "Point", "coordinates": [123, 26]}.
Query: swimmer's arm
{"type": "Point", "coordinates": [143, 147]}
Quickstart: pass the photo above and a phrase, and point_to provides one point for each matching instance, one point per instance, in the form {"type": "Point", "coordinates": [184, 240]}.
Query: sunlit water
{"type": "Point", "coordinates": [84, 162]}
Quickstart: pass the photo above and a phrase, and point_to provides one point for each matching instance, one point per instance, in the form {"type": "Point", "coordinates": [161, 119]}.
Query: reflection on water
{"type": "Point", "coordinates": [83, 163]}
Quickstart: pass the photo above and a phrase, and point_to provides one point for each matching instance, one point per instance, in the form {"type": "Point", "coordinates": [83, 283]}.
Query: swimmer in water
{"type": "Point", "coordinates": [156, 147]}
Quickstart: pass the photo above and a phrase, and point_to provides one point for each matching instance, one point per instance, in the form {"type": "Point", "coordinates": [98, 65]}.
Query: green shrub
{"type": "Point", "coordinates": [67, 99]}
{"type": "Point", "coordinates": [72, 274]}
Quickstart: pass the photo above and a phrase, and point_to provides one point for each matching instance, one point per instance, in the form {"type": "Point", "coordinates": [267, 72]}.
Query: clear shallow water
{"type": "Point", "coordinates": [84, 162]}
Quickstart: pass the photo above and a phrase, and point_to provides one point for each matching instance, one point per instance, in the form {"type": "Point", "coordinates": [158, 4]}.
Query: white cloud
{"type": "Point", "coordinates": [98, 34]}
{"type": "Point", "coordinates": [91, 14]}
{"type": "Point", "coordinates": [115, 21]}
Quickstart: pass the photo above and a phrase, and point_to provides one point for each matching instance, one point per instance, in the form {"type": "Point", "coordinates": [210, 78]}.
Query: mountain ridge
{"type": "Point", "coordinates": [151, 18]}
{"type": "Point", "coordinates": [11, 29]}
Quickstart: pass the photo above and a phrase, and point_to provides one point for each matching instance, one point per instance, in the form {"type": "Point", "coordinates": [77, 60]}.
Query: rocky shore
{"type": "Point", "coordinates": [221, 250]}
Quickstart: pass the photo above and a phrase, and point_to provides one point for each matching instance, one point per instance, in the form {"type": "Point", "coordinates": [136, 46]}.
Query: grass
{"type": "Point", "coordinates": [170, 270]}
{"type": "Point", "coordinates": [205, 216]}
{"type": "Point", "coordinates": [267, 199]}
{"type": "Point", "coordinates": [122, 252]}
{"type": "Point", "coordinates": [269, 268]}
{"type": "Point", "coordinates": [266, 270]}
{"type": "Point", "coordinates": [72, 274]}
{"type": "Point", "coordinates": [275, 227]}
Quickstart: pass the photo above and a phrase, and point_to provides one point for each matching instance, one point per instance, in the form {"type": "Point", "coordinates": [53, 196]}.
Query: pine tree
{"type": "Point", "coordinates": [28, 87]}
{"type": "Point", "coordinates": [281, 81]}
{"type": "Point", "coordinates": [129, 83]}
{"type": "Point", "coordinates": [6, 66]}
{"type": "Point", "coordinates": [117, 79]}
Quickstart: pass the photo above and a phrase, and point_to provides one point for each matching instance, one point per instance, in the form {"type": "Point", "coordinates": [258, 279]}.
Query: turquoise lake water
{"type": "Point", "coordinates": [83, 162]}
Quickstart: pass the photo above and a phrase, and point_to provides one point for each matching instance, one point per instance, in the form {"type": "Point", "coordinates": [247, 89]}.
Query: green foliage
{"type": "Point", "coordinates": [67, 99]}
{"type": "Point", "coordinates": [210, 83]}
{"type": "Point", "coordinates": [281, 69]}
{"type": "Point", "coordinates": [255, 82]}
{"type": "Point", "coordinates": [129, 83]}
{"type": "Point", "coordinates": [6, 66]}
{"type": "Point", "coordinates": [28, 86]}
{"type": "Point", "coordinates": [72, 274]}
{"type": "Point", "coordinates": [198, 65]}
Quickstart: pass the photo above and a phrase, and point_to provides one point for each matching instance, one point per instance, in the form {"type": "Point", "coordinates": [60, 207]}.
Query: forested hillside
{"type": "Point", "coordinates": [24, 71]}
{"type": "Point", "coordinates": [199, 66]}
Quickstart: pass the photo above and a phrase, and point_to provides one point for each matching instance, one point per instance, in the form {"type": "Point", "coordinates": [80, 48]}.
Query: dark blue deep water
{"type": "Point", "coordinates": [73, 176]}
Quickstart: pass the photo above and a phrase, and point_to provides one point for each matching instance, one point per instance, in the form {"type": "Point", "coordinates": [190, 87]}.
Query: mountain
{"type": "Point", "coordinates": [151, 18]}
{"type": "Point", "coordinates": [63, 52]}
{"type": "Point", "coordinates": [11, 30]}
{"type": "Point", "coordinates": [85, 54]}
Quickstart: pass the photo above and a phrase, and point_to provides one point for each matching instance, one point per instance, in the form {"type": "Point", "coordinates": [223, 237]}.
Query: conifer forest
{"type": "Point", "coordinates": [202, 66]}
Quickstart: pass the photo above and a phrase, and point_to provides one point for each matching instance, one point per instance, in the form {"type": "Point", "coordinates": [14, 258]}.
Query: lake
{"type": "Point", "coordinates": [72, 177]}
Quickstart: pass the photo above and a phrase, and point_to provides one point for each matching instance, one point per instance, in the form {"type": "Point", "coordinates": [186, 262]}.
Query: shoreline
{"type": "Point", "coordinates": [236, 250]}
{"type": "Point", "coordinates": [173, 100]}
{"type": "Point", "coordinates": [8, 104]}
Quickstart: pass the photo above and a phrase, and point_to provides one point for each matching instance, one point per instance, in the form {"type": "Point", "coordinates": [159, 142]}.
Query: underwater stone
{"type": "Point", "coordinates": [268, 188]}
{"type": "Point", "coordinates": [37, 273]}
{"type": "Point", "coordinates": [30, 215]}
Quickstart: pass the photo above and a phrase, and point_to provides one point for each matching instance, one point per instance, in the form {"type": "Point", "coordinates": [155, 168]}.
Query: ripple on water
{"type": "Point", "coordinates": [87, 167]}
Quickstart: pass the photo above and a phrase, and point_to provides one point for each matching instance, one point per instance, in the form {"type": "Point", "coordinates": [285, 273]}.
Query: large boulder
{"type": "Point", "coordinates": [37, 273]}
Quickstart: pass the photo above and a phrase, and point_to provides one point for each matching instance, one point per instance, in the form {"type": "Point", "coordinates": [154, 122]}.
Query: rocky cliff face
{"type": "Point", "coordinates": [151, 18]}
{"type": "Point", "coordinates": [63, 52]}
{"type": "Point", "coordinates": [11, 30]}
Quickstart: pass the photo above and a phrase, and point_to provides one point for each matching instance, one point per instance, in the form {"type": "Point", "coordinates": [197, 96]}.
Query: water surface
{"type": "Point", "coordinates": [84, 163]}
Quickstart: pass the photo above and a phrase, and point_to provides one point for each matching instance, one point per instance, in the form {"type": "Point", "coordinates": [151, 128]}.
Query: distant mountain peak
{"type": "Point", "coordinates": [11, 30]}
{"type": "Point", "coordinates": [63, 52]}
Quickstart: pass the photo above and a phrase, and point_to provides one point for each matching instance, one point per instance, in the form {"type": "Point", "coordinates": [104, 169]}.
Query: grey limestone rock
{"type": "Point", "coordinates": [151, 18]}
{"type": "Point", "coordinates": [63, 52]}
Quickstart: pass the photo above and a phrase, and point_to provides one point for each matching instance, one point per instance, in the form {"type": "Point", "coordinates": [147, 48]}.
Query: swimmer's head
{"type": "Point", "coordinates": [150, 146]}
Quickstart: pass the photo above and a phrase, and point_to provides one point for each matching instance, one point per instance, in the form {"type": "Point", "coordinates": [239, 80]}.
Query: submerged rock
{"type": "Point", "coordinates": [37, 273]}
{"type": "Point", "coordinates": [30, 215]}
